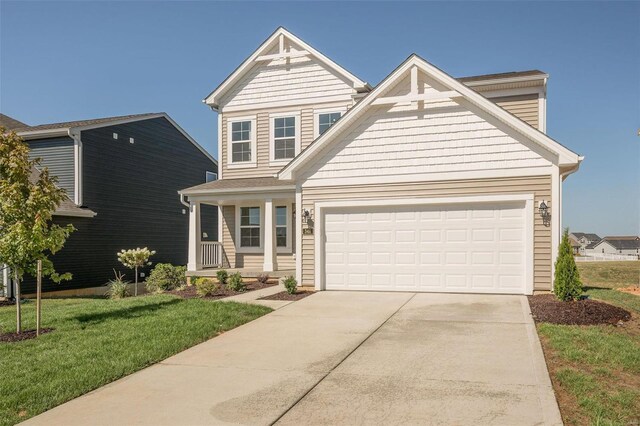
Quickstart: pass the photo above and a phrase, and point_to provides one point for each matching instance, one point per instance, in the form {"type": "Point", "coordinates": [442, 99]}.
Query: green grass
{"type": "Point", "coordinates": [610, 274]}
{"type": "Point", "coordinates": [596, 369]}
{"type": "Point", "coordinates": [97, 341]}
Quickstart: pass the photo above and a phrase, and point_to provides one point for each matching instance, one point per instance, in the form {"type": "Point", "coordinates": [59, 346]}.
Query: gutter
{"type": "Point", "coordinates": [237, 190]}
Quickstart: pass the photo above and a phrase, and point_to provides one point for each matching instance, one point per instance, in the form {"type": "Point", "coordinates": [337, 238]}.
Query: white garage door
{"type": "Point", "coordinates": [456, 248]}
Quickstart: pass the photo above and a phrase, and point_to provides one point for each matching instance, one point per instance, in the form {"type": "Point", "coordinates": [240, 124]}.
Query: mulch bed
{"type": "Point", "coordinates": [189, 292]}
{"type": "Point", "coordinates": [25, 335]}
{"type": "Point", "coordinates": [6, 303]}
{"type": "Point", "coordinates": [283, 295]}
{"type": "Point", "coordinates": [546, 308]}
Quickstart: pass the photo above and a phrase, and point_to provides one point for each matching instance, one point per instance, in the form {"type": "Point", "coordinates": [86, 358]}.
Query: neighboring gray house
{"type": "Point", "coordinates": [121, 176]}
{"type": "Point", "coordinates": [628, 245]}
{"type": "Point", "coordinates": [582, 240]}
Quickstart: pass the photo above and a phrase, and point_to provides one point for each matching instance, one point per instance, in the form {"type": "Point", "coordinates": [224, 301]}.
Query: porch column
{"type": "Point", "coordinates": [193, 263]}
{"type": "Point", "coordinates": [270, 260]}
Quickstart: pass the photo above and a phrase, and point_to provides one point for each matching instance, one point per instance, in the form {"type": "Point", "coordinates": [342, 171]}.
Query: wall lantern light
{"type": "Point", "coordinates": [543, 209]}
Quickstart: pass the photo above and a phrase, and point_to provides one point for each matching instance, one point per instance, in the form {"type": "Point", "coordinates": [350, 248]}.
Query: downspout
{"type": "Point", "coordinates": [77, 167]}
{"type": "Point", "coordinates": [183, 201]}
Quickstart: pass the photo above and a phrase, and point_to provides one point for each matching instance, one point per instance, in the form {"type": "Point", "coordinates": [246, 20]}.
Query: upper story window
{"type": "Point", "coordinates": [326, 120]}
{"type": "Point", "coordinates": [285, 137]}
{"type": "Point", "coordinates": [210, 176]}
{"type": "Point", "coordinates": [242, 142]}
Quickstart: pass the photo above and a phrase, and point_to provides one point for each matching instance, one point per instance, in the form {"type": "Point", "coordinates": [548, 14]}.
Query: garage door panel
{"type": "Point", "coordinates": [462, 248]}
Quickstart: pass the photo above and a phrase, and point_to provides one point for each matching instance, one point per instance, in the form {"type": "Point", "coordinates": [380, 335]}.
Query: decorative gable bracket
{"type": "Point", "coordinates": [282, 53]}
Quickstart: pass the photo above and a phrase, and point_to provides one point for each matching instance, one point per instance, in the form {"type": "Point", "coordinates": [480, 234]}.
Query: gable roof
{"type": "Point", "coordinates": [619, 243]}
{"type": "Point", "coordinates": [213, 98]}
{"type": "Point", "coordinates": [590, 237]}
{"type": "Point", "coordinates": [504, 76]}
{"type": "Point", "coordinates": [566, 157]}
{"type": "Point", "coordinates": [11, 123]}
{"type": "Point", "coordinates": [239, 185]}
{"type": "Point", "coordinates": [72, 128]}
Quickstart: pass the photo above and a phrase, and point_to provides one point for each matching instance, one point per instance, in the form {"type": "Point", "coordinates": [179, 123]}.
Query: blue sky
{"type": "Point", "coordinates": [64, 61]}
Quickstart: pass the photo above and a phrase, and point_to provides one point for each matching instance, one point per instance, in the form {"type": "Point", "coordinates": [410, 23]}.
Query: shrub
{"type": "Point", "coordinates": [222, 276]}
{"type": "Point", "coordinates": [206, 286]}
{"type": "Point", "coordinates": [262, 278]}
{"type": "Point", "coordinates": [566, 284]}
{"type": "Point", "coordinates": [236, 283]}
{"type": "Point", "coordinates": [166, 277]}
{"type": "Point", "coordinates": [118, 287]}
{"type": "Point", "coordinates": [290, 284]}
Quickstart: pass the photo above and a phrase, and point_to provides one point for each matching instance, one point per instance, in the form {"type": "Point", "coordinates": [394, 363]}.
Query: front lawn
{"type": "Point", "coordinates": [610, 274]}
{"type": "Point", "coordinates": [97, 341]}
{"type": "Point", "coordinates": [596, 369]}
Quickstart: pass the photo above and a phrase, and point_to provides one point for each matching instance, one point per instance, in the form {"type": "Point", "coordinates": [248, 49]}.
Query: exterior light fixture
{"type": "Point", "coordinates": [543, 209]}
{"type": "Point", "coordinates": [306, 215]}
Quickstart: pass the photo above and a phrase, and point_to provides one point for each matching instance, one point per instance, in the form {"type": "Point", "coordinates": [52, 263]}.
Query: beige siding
{"type": "Point", "coordinates": [229, 235]}
{"type": "Point", "coordinates": [256, 260]}
{"type": "Point", "coordinates": [525, 107]}
{"type": "Point", "coordinates": [263, 124]}
{"type": "Point", "coordinates": [540, 186]}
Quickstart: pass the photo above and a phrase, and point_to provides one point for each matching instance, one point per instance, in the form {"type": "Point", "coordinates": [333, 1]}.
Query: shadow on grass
{"type": "Point", "coordinates": [125, 313]}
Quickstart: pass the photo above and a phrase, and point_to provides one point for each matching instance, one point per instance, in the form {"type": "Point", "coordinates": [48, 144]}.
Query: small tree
{"type": "Point", "coordinates": [134, 259]}
{"type": "Point", "coordinates": [28, 199]}
{"type": "Point", "coordinates": [566, 285]}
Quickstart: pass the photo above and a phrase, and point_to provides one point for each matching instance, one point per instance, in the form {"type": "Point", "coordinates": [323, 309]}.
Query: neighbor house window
{"type": "Point", "coordinates": [284, 138]}
{"type": "Point", "coordinates": [281, 226]}
{"type": "Point", "coordinates": [250, 227]}
{"type": "Point", "coordinates": [210, 176]}
{"type": "Point", "coordinates": [241, 141]}
{"type": "Point", "coordinates": [326, 120]}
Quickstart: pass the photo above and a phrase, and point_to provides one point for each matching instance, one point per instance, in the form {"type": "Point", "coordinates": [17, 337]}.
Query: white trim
{"type": "Point", "coordinates": [287, 104]}
{"type": "Point", "coordinates": [321, 207]}
{"type": "Point", "coordinates": [316, 117]}
{"type": "Point", "coordinates": [231, 199]}
{"type": "Point", "coordinates": [219, 147]}
{"type": "Point", "coordinates": [270, 256]}
{"type": "Point", "coordinates": [542, 108]}
{"type": "Point", "coordinates": [77, 167]}
{"type": "Point", "coordinates": [289, 225]}
{"type": "Point", "coordinates": [555, 219]}
{"type": "Point", "coordinates": [565, 156]}
{"type": "Point", "coordinates": [298, 229]}
{"type": "Point", "coordinates": [253, 137]}
{"type": "Point", "coordinates": [430, 177]}
{"type": "Point", "coordinates": [404, 99]}
{"type": "Point", "coordinates": [195, 236]}
{"type": "Point", "coordinates": [296, 115]}
{"type": "Point", "coordinates": [277, 201]}
{"type": "Point", "coordinates": [257, 190]}
{"type": "Point", "coordinates": [206, 176]}
{"type": "Point", "coordinates": [277, 37]}
{"type": "Point", "coordinates": [220, 219]}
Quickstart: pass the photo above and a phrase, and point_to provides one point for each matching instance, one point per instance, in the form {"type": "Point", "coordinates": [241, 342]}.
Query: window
{"type": "Point", "coordinates": [284, 138]}
{"type": "Point", "coordinates": [281, 226]}
{"type": "Point", "coordinates": [326, 120]}
{"type": "Point", "coordinates": [250, 227]}
{"type": "Point", "coordinates": [210, 176]}
{"type": "Point", "coordinates": [241, 142]}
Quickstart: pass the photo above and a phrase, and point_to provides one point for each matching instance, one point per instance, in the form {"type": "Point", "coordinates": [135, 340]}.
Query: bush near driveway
{"type": "Point", "coordinates": [97, 341]}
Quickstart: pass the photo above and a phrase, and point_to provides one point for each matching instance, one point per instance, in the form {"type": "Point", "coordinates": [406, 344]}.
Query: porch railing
{"type": "Point", "coordinates": [211, 254]}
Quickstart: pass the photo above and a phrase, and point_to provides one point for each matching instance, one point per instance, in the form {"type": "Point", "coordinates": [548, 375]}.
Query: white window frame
{"type": "Point", "coordinates": [208, 173]}
{"type": "Point", "coordinates": [254, 151]}
{"type": "Point", "coordinates": [239, 248]}
{"type": "Point", "coordinates": [316, 117]}
{"type": "Point", "coordinates": [272, 117]}
{"type": "Point", "coordinates": [289, 206]}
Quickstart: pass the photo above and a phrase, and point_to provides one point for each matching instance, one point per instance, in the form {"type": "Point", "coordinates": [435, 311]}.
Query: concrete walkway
{"type": "Point", "coordinates": [345, 358]}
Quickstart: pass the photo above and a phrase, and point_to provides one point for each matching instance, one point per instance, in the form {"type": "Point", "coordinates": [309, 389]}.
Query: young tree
{"type": "Point", "coordinates": [566, 285]}
{"type": "Point", "coordinates": [28, 199]}
{"type": "Point", "coordinates": [134, 259]}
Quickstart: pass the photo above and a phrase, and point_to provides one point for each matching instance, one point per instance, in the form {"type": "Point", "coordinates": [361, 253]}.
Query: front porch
{"type": "Point", "coordinates": [256, 228]}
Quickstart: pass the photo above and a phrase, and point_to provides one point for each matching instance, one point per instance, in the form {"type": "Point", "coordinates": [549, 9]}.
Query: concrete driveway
{"type": "Point", "coordinates": [345, 358]}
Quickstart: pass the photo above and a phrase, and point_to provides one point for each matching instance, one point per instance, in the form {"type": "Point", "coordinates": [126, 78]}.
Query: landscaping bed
{"type": "Point", "coordinates": [97, 341]}
{"type": "Point", "coordinates": [25, 335]}
{"type": "Point", "coordinates": [283, 295]}
{"type": "Point", "coordinates": [189, 292]}
{"type": "Point", "coordinates": [6, 303]}
{"type": "Point", "coordinates": [547, 308]}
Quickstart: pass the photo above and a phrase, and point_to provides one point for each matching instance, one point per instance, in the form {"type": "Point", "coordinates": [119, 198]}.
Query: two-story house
{"type": "Point", "coordinates": [120, 175]}
{"type": "Point", "coordinates": [424, 182]}
{"type": "Point", "coordinates": [580, 241]}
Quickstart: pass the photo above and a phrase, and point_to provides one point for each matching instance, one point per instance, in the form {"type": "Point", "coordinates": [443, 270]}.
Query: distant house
{"type": "Point", "coordinates": [580, 241]}
{"type": "Point", "coordinates": [121, 176]}
{"type": "Point", "coordinates": [629, 246]}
